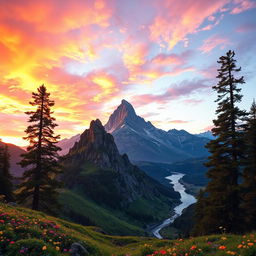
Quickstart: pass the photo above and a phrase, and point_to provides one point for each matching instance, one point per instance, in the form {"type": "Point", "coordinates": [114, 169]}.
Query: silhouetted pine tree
{"type": "Point", "coordinates": [222, 201]}
{"type": "Point", "coordinates": [39, 181]}
{"type": "Point", "coordinates": [249, 174]}
{"type": "Point", "coordinates": [6, 186]}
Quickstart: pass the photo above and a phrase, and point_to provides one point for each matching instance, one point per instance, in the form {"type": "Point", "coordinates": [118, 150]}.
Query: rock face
{"type": "Point", "coordinates": [95, 166]}
{"type": "Point", "coordinates": [142, 141]}
{"type": "Point", "coordinates": [15, 157]}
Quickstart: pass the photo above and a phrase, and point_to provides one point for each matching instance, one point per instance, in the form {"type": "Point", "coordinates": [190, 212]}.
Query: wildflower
{"type": "Point", "coordinates": [222, 247]}
{"type": "Point", "coordinates": [44, 248]}
{"type": "Point", "coordinates": [163, 252]}
{"type": "Point", "coordinates": [193, 247]}
{"type": "Point", "coordinates": [57, 248]}
{"type": "Point", "coordinates": [250, 244]}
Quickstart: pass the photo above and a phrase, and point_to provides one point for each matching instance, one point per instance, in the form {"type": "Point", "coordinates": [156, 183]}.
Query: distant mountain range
{"type": "Point", "coordinates": [142, 141]}
{"type": "Point", "coordinates": [15, 157]}
{"type": "Point", "coordinates": [207, 134]}
{"type": "Point", "coordinates": [67, 144]}
{"type": "Point", "coordinates": [139, 139]}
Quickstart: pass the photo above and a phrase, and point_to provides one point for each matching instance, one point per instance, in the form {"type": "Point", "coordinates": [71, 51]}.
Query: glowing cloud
{"type": "Point", "coordinates": [92, 53]}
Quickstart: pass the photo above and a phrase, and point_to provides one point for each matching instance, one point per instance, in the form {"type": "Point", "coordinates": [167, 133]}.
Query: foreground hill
{"type": "Point", "coordinates": [31, 233]}
{"type": "Point", "coordinates": [101, 184]}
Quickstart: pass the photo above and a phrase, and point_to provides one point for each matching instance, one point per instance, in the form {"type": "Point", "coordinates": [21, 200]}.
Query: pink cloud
{"type": "Point", "coordinates": [243, 5]}
{"type": "Point", "coordinates": [212, 42]}
{"type": "Point", "coordinates": [184, 89]}
{"type": "Point", "coordinates": [174, 22]}
{"type": "Point", "coordinates": [178, 121]}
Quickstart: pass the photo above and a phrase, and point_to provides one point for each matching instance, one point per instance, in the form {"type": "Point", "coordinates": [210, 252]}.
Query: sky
{"type": "Point", "coordinates": [160, 55]}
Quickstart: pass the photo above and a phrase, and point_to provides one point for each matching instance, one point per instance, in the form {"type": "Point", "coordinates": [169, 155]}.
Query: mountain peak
{"type": "Point", "coordinates": [96, 123]}
{"type": "Point", "coordinates": [121, 116]}
{"type": "Point", "coordinates": [128, 106]}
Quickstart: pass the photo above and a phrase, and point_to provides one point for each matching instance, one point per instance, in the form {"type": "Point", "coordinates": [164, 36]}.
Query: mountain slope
{"type": "Point", "coordinates": [94, 169]}
{"type": "Point", "coordinates": [15, 157]}
{"type": "Point", "coordinates": [144, 142]}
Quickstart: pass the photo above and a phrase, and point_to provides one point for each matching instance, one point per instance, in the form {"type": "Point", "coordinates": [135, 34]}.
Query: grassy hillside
{"type": "Point", "coordinates": [131, 221]}
{"type": "Point", "coordinates": [85, 211]}
{"type": "Point", "coordinates": [30, 233]}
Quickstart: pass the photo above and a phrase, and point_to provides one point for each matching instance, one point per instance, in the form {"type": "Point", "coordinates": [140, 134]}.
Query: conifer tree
{"type": "Point", "coordinates": [39, 180]}
{"type": "Point", "coordinates": [249, 174]}
{"type": "Point", "coordinates": [6, 186]}
{"type": "Point", "coordinates": [222, 201]}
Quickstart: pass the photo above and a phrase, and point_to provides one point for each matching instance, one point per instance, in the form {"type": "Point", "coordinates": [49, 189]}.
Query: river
{"type": "Point", "coordinates": [186, 200]}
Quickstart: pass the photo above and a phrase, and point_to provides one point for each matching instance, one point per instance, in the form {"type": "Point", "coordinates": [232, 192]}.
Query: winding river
{"type": "Point", "coordinates": [186, 200]}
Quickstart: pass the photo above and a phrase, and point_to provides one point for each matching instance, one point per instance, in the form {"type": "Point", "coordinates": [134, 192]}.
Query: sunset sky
{"type": "Point", "coordinates": [160, 55]}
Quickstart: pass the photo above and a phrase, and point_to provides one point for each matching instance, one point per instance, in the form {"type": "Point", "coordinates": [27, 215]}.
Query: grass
{"type": "Point", "coordinates": [149, 210]}
{"type": "Point", "coordinates": [31, 233]}
{"type": "Point", "coordinates": [97, 215]}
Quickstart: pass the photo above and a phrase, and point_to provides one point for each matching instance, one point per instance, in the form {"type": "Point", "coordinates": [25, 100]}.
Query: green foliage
{"type": "Point", "coordinates": [249, 252]}
{"type": "Point", "coordinates": [222, 197]}
{"type": "Point", "coordinates": [6, 187]}
{"type": "Point", "coordinates": [39, 183]}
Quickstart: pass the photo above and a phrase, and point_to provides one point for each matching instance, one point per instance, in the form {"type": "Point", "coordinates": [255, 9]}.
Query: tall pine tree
{"type": "Point", "coordinates": [222, 195]}
{"type": "Point", "coordinates": [248, 186]}
{"type": "Point", "coordinates": [39, 186]}
{"type": "Point", "coordinates": [6, 186]}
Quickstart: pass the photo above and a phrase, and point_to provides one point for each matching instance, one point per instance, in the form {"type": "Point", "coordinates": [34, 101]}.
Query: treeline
{"type": "Point", "coordinates": [228, 203]}
{"type": "Point", "coordinates": [38, 186]}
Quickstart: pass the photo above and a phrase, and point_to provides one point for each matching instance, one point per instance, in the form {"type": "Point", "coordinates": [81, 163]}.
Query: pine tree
{"type": "Point", "coordinates": [6, 186]}
{"type": "Point", "coordinates": [248, 186]}
{"type": "Point", "coordinates": [39, 180]}
{"type": "Point", "coordinates": [222, 201]}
